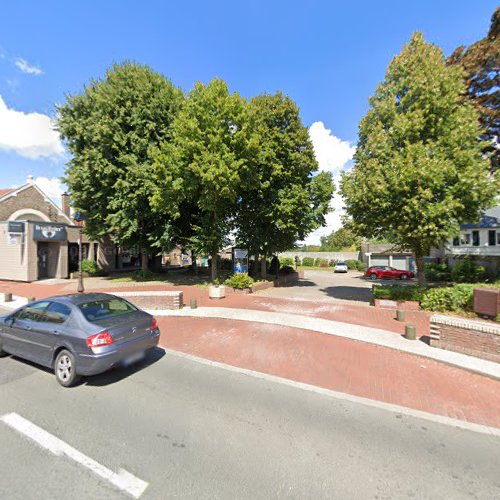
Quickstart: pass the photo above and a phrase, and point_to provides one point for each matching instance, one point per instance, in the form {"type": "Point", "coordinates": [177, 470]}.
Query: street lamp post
{"type": "Point", "coordinates": [80, 217]}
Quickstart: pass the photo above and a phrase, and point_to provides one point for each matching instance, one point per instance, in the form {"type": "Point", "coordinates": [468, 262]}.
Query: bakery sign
{"type": "Point", "coordinates": [49, 232]}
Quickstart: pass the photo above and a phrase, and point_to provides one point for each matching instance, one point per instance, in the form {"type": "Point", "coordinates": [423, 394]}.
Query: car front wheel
{"type": "Point", "coordinates": [404, 277]}
{"type": "Point", "coordinates": [65, 369]}
{"type": "Point", "coordinates": [373, 276]}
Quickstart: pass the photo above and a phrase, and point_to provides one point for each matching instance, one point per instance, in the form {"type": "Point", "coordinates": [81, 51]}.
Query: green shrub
{"type": "Point", "coordinates": [287, 261]}
{"type": "Point", "coordinates": [437, 272]}
{"type": "Point", "coordinates": [397, 292]}
{"type": "Point", "coordinates": [141, 275]}
{"type": "Point", "coordinates": [355, 264]}
{"type": "Point", "coordinates": [322, 262]}
{"type": "Point", "coordinates": [362, 266]}
{"type": "Point", "coordinates": [448, 299]}
{"type": "Point", "coordinates": [308, 261]}
{"type": "Point", "coordinates": [239, 281]}
{"type": "Point", "coordinates": [467, 271]}
{"type": "Point", "coordinates": [90, 267]}
{"type": "Point", "coordinates": [333, 262]}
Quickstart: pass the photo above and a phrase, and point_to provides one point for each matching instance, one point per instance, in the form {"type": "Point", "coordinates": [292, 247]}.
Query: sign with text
{"type": "Point", "coordinates": [15, 226]}
{"type": "Point", "coordinates": [49, 232]}
{"type": "Point", "coordinates": [240, 260]}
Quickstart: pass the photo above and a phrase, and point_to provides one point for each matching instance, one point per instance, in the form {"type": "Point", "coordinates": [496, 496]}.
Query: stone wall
{"type": "Point", "coordinates": [323, 255]}
{"type": "Point", "coordinates": [476, 338]}
{"type": "Point", "coordinates": [154, 300]}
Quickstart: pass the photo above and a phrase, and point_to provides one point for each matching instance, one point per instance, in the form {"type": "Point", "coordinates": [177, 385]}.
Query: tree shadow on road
{"type": "Point", "coordinates": [348, 293]}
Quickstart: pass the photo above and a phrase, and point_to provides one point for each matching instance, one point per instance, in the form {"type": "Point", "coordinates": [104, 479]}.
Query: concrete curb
{"type": "Point", "coordinates": [402, 410]}
{"type": "Point", "coordinates": [365, 334]}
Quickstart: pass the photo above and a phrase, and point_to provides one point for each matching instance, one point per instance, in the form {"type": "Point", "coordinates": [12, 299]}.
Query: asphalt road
{"type": "Point", "coordinates": [197, 431]}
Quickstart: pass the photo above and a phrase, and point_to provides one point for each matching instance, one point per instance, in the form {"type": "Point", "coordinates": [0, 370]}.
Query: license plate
{"type": "Point", "coordinates": [133, 358]}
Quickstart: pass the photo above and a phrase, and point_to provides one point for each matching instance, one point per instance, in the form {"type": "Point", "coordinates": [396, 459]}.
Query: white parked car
{"type": "Point", "coordinates": [340, 267]}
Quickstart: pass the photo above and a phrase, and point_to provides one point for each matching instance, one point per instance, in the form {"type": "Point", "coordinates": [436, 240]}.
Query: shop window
{"type": "Point", "coordinates": [475, 238]}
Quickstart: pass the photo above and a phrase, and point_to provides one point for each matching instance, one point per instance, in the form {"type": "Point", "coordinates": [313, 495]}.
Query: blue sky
{"type": "Point", "coordinates": [327, 55]}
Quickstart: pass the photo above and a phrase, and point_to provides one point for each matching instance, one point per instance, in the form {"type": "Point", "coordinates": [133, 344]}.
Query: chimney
{"type": "Point", "coordinates": [65, 204]}
{"type": "Point", "coordinates": [29, 180]}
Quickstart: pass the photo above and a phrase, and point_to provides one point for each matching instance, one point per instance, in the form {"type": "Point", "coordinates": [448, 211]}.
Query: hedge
{"type": "Point", "coordinates": [308, 261]}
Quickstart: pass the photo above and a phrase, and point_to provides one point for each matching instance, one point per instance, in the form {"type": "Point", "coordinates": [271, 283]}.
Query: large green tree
{"type": "Point", "coordinates": [419, 171]}
{"type": "Point", "coordinates": [481, 62]}
{"type": "Point", "coordinates": [340, 239]}
{"type": "Point", "coordinates": [111, 129]}
{"type": "Point", "coordinates": [199, 175]}
{"type": "Point", "coordinates": [284, 198]}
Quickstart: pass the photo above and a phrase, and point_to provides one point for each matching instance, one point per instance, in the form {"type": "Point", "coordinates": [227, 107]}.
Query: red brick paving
{"type": "Point", "coordinates": [336, 310]}
{"type": "Point", "coordinates": [339, 364]}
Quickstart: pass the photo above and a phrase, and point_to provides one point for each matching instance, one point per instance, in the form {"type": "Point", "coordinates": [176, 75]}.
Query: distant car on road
{"type": "Point", "coordinates": [79, 334]}
{"type": "Point", "coordinates": [386, 272]}
{"type": "Point", "coordinates": [340, 267]}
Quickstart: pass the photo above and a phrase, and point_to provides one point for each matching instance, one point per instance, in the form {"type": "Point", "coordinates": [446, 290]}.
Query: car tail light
{"type": "Point", "coordinates": [99, 340]}
{"type": "Point", "coordinates": [154, 324]}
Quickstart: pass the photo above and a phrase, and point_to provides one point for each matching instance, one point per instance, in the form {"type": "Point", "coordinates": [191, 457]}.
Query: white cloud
{"type": "Point", "coordinates": [28, 134]}
{"type": "Point", "coordinates": [332, 220]}
{"type": "Point", "coordinates": [25, 67]}
{"type": "Point", "coordinates": [331, 152]}
{"type": "Point", "coordinates": [52, 187]}
{"type": "Point", "coordinates": [333, 155]}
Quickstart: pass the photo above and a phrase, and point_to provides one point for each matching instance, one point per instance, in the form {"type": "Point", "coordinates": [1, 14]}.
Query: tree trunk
{"type": "Point", "coordinates": [144, 260]}
{"type": "Point", "coordinates": [193, 262]}
{"type": "Point", "coordinates": [419, 261]}
{"type": "Point", "coordinates": [214, 266]}
{"type": "Point", "coordinates": [256, 265]}
{"type": "Point", "coordinates": [263, 267]}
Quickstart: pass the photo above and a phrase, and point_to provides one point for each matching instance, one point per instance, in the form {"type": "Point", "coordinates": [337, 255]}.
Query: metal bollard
{"type": "Point", "coordinates": [400, 315]}
{"type": "Point", "coordinates": [194, 304]}
{"type": "Point", "coordinates": [7, 297]}
{"type": "Point", "coordinates": [410, 332]}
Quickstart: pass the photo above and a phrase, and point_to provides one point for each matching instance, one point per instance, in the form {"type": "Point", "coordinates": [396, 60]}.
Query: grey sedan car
{"type": "Point", "coordinates": [80, 334]}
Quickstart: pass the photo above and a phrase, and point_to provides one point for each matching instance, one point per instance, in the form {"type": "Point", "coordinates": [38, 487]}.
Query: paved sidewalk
{"type": "Point", "coordinates": [339, 364]}
{"type": "Point", "coordinates": [365, 334]}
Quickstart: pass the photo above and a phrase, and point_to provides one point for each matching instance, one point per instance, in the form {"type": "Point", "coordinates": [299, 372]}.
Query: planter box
{"type": "Point", "coordinates": [407, 305]}
{"type": "Point", "coordinates": [216, 292]}
{"type": "Point", "coordinates": [242, 291]}
{"type": "Point", "coordinates": [263, 285]}
{"type": "Point", "coordinates": [487, 302]}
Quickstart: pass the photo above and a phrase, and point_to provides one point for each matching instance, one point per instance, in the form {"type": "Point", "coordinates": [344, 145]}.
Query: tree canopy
{"type": "Point", "coordinates": [204, 165]}
{"type": "Point", "coordinates": [419, 171]}
{"type": "Point", "coordinates": [284, 197]}
{"type": "Point", "coordinates": [481, 62]}
{"type": "Point", "coordinates": [111, 129]}
{"type": "Point", "coordinates": [340, 239]}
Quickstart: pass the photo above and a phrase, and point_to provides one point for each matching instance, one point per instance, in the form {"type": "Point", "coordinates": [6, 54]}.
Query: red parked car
{"type": "Point", "coordinates": [386, 272]}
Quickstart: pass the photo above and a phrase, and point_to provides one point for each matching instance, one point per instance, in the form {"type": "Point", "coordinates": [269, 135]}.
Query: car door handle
{"type": "Point", "coordinates": [27, 327]}
{"type": "Point", "coordinates": [56, 332]}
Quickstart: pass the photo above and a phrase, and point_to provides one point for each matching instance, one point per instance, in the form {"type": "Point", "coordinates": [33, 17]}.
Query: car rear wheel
{"type": "Point", "coordinates": [404, 277]}
{"type": "Point", "coordinates": [373, 276]}
{"type": "Point", "coordinates": [65, 369]}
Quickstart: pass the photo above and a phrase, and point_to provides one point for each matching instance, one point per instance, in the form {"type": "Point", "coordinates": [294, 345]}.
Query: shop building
{"type": "Point", "coordinates": [39, 240]}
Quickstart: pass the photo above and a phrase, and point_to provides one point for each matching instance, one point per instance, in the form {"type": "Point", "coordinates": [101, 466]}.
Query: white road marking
{"type": "Point", "coordinates": [123, 480]}
{"type": "Point", "coordinates": [402, 410]}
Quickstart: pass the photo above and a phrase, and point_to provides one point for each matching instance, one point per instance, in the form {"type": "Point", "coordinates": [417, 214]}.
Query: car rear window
{"type": "Point", "coordinates": [340, 263]}
{"type": "Point", "coordinates": [103, 309]}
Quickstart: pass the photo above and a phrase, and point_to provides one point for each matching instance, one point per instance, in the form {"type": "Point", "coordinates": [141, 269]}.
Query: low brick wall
{"type": "Point", "coordinates": [476, 338]}
{"type": "Point", "coordinates": [406, 305]}
{"type": "Point", "coordinates": [154, 300]}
